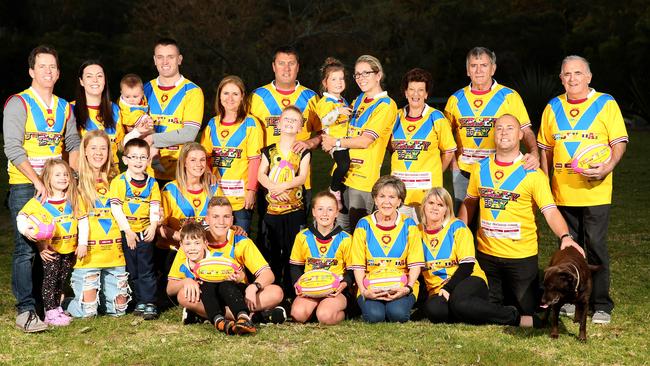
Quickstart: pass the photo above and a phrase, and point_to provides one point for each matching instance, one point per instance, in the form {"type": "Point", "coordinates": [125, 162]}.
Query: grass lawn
{"type": "Point", "coordinates": [129, 340]}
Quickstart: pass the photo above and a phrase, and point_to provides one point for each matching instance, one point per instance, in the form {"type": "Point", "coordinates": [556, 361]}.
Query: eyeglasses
{"type": "Point", "coordinates": [363, 74]}
{"type": "Point", "coordinates": [136, 158]}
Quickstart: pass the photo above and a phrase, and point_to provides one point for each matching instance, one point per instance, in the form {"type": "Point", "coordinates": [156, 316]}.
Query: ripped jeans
{"type": "Point", "coordinates": [111, 285]}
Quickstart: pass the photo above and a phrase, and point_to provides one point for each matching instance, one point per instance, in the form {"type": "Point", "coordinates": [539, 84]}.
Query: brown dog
{"type": "Point", "coordinates": [567, 280]}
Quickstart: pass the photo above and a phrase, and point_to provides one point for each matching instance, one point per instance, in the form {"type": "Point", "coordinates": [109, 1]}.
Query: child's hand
{"type": "Point", "coordinates": [81, 251]}
{"type": "Point", "coordinates": [30, 233]}
{"type": "Point", "coordinates": [46, 252]}
{"type": "Point", "coordinates": [238, 276]}
{"type": "Point", "coordinates": [277, 188]}
{"type": "Point", "coordinates": [345, 110]}
{"type": "Point", "coordinates": [150, 232]}
{"type": "Point", "coordinates": [339, 289]}
{"type": "Point", "coordinates": [144, 125]}
{"type": "Point", "coordinates": [131, 239]}
{"type": "Point", "coordinates": [191, 290]}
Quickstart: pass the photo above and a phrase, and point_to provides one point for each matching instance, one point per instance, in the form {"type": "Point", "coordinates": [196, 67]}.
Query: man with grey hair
{"type": "Point", "coordinates": [579, 119]}
{"type": "Point", "coordinates": [472, 112]}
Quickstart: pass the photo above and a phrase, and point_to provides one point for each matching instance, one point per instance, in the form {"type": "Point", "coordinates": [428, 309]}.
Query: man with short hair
{"type": "Point", "coordinates": [472, 112]}
{"type": "Point", "coordinates": [506, 194]}
{"type": "Point", "coordinates": [578, 119]}
{"type": "Point", "coordinates": [37, 126]}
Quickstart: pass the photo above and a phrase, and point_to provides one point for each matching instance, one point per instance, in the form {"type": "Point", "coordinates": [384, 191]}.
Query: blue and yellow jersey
{"type": "Point", "coordinates": [172, 108]}
{"type": "Point", "coordinates": [44, 132]}
{"type": "Point", "coordinates": [243, 251]}
{"type": "Point", "coordinates": [230, 146]}
{"type": "Point", "coordinates": [115, 134]}
{"type": "Point", "coordinates": [314, 253]}
{"type": "Point", "coordinates": [267, 103]}
{"type": "Point", "coordinates": [59, 212]}
{"type": "Point", "coordinates": [375, 246]}
{"type": "Point", "coordinates": [508, 195]}
{"type": "Point", "coordinates": [132, 113]}
{"type": "Point", "coordinates": [284, 168]}
{"type": "Point", "coordinates": [327, 104]}
{"type": "Point", "coordinates": [104, 237]}
{"type": "Point", "coordinates": [566, 129]}
{"type": "Point", "coordinates": [181, 206]}
{"type": "Point", "coordinates": [444, 250]}
{"type": "Point", "coordinates": [417, 144]}
{"type": "Point", "coordinates": [472, 116]}
{"type": "Point", "coordinates": [134, 199]}
{"type": "Point", "coordinates": [182, 267]}
{"type": "Point", "coordinates": [373, 117]}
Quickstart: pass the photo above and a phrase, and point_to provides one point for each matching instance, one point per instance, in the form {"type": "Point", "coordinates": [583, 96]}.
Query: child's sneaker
{"type": "Point", "coordinates": [150, 312]}
{"type": "Point", "coordinates": [224, 325]}
{"type": "Point", "coordinates": [139, 310]}
{"type": "Point", "coordinates": [52, 317]}
{"type": "Point", "coordinates": [244, 326]}
{"type": "Point", "coordinates": [63, 314]}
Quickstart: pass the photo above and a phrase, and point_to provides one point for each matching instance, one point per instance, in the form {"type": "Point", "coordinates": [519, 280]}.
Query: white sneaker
{"type": "Point", "coordinates": [29, 322]}
{"type": "Point", "coordinates": [601, 317]}
{"type": "Point", "coordinates": [568, 310]}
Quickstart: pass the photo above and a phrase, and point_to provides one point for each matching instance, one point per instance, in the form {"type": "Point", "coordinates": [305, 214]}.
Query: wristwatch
{"type": "Point", "coordinates": [567, 235]}
{"type": "Point", "coordinates": [258, 286]}
{"type": "Point", "coordinates": [338, 143]}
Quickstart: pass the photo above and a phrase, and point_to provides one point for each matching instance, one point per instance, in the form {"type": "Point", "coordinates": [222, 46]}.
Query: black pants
{"type": "Point", "coordinates": [216, 296]}
{"type": "Point", "coordinates": [589, 226]}
{"type": "Point", "coordinates": [512, 281]}
{"type": "Point", "coordinates": [468, 303]}
{"type": "Point", "coordinates": [281, 231]}
{"type": "Point", "coordinates": [342, 160]}
{"type": "Point", "coordinates": [55, 274]}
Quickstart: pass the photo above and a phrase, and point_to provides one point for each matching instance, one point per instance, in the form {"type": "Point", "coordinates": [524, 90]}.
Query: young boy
{"type": "Point", "coordinates": [134, 109]}
{"type": "Point", "coordinates": [214, 296]}
{"type": "Point", "coordinates": [283, 172]}
{"type": "Point", "coordinates": [135, 204]}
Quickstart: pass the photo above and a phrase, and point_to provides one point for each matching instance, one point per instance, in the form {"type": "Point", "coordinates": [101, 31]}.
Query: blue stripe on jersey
{"type": "Point", "coordinates": [154, 104]}
{"type": "Point", "coordinates": [358, 121]}
{"type": "Point", "coordinates": [92, 125]}
{"type": "Point", "coordinates": [186, 207]}
{"type": "Point", "coordinates": [313, 247]}
{"type": "Point", "coordinates": [583, 124]}
{"type": "Point", "coordinates": [39, 118]}
{"type": "Point", "coordinates": [269, 101]}
{"type": "Point", "coordinates": [495, 103]}
{"type": "Point", "coordinates": [67, 209]}
{"type": "Point", "coordinates": [509, 184]}
{"type": "Point", "coordinates": [445, 250]}
{"type": "Point", "coordinates": [375, 249]}
{"type": "Point", "coordinates": [303, 99]}
{"type": "Point", "coordinates": [145, 193]}
{"type": "Point", "coordinates": [186, 271]}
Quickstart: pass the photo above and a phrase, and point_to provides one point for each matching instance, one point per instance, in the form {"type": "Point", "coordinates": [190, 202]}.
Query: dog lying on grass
{"type": "Point", "coordinates": [567, 280]}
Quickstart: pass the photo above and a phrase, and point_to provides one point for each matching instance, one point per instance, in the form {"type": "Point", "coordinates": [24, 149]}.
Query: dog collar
{"type": "Point", "coordinates": [578, 274]}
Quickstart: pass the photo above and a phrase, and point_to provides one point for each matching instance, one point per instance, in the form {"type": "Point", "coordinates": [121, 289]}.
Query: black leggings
{"type": "Point", "coordinates": [342, 159]}
{"type": "Point", "coordinates": [468, 303]}
{"type": "Point", "coordinates": [216, 296]}
{"type": "Point", "coordinates": [55, 274]}
{"type": "Point", "coordinates": [281, 231]}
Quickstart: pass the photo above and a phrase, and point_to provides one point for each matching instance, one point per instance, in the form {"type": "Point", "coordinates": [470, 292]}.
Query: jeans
{"type": "Point", "coordinates": [139, 264]}
{"type": "Point", "coordinates": [359, 204]}
{"type": "Point", "coordinates": [243, 218]}
{"type": "Point", "coordinates": [109, 282]}
{"type": "Point", "coordinates": [24, 251]}
{"type": "Point", "coordinates": [374, 311]}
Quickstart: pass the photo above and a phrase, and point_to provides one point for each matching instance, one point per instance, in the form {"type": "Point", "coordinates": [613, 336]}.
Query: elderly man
{"type": "Point", "coordinates": [37, 126]}
{"type": "Point", "coordinates": [580, 118]}
{"type": "Point", "coordinates": [472, 112]}
{"type": "Point", "coordinates": [506, 194]}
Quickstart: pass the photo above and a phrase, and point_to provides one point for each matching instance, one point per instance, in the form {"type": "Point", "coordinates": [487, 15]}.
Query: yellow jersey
{"type": "Point", "coordinates": [182, 206]}
{"type": "Point", "coordinates": [314, 253]}
{"type": "Point", "coordinates": [135, 199]}
{"type": "Point", "coordinates": [59, 212]}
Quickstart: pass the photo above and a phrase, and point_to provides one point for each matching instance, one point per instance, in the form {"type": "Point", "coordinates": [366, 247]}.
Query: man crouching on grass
{"type": "Point", "coordinates": [260, 297]}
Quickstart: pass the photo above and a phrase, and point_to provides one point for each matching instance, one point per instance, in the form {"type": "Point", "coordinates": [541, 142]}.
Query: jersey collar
{"type": "Point", "coordinates": [328, 95]}
{"type": "Point", "coordinates": [177, 83]}
{"type": "Point", "coordinates": [494, 84]}
{"type": "Point", "coordinates": [40, 100]}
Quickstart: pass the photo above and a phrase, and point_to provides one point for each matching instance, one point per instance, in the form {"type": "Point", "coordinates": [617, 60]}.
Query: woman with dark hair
{"type": "Point", "coordinates": [233, 139]}
{"type": "Point", "coordinates": [422, 142]}
{"type": "Point", "coordinates": [94, 110]}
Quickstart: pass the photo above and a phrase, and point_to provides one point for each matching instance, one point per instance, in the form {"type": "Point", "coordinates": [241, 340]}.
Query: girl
{"type": "Point", "coordinates": [323, 245]}
{"type": "Point", "coordinates": [233, 139]}
{"type": "Point", "coordinates": [334, 112]}
{"type": "Point", "coordinates": [99, 278]}
{"type": "Point", "coordinates": [94, 110]}
{"type": "Point", "coordinates": [65, 211]}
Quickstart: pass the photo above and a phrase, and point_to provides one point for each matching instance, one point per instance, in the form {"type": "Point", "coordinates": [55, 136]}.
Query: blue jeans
{"type": "Point", "coordinates": [374, 311]}
{"type": "Point", "coordinates": [24, 251]}
{"type": "Point", "coordinates": [139, 264]}
{"type": "Point", "coordinates": [109, 283]}
{"type": "Point", "coordinates": [244, 218]}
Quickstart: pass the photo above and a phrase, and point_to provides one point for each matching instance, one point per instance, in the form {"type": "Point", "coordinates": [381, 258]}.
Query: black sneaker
{"type": "Point", "coordinates": [150, 312]}
{"type": "Point", "coordinates": [139, 309]}
{"type": "Point", "coordinates": [190, 317]}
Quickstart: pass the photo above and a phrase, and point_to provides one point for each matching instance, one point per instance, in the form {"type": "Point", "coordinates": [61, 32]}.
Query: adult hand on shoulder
{"type": "Point", "coordinates": [300, 146]}
{"type": "Point", "coordinates": [40, 191]}
{"type": "Point", "coordinates": [239, 230]}
{"type": "Point", "coordinates": [530, 161]}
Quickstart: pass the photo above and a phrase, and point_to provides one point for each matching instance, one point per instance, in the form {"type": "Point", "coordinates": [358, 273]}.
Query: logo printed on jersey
{"type": "Point", "coordinates": [385, 239]}
{"type": "Point", "coordinates": [164, 98]}
{"type": "Point", "coordinates": [285, 102]}
{"type": "Point", "coordinates": [102, 191]}
{"type": "Point", "coordinates": [196, 202]}
{"type": "Point", "coordinates": [225, 133]}
{"type": "Point", "coordinates": [478, 103]}
{"type": "Point", "coordinates": [410, 128]}
{"type": "Point", "coordinates": [498, 174]}
{"type": "Point", "coordinates": [323, 249]}
{"type": "Point", "coordinates": [50, 122]}
{"type": "Point", "coordinates": [574, 112]}
{"type": "Point", "coordinates": [434, 242]}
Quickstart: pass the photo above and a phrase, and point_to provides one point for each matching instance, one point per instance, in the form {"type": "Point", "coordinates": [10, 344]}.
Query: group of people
{"type": "Point", "coordinates": [130, 241]}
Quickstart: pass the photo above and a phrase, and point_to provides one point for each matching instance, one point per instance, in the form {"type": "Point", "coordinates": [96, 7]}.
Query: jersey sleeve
{"type": "Point", "coordinates": [415, 257]}
{"type": "Point", "coordinates": [446, 141]}
{"type": "Point", "coordinates": [381, 121]}
{"type": "Point", "coordinates": [31, 207]}
{"type": "Point", "coordinates": [255, 138]}
{"type": "Point", "coordinates": [193, 112]}
{"type": "Point", "coordinates": [117, 191]}
{"type": "Point", "coordinates": [167, 200]}
{"type": "Point", "coordinates": [545, 139]}
{"type": "Point", "coordinates": [542, 191]}
{"type": "Point", "coordinates": [175, 271]}
{"type": "Point", "coordinates": [464, 245]}
{"type": "Point", "coordinates": [298, 255]}
{"type": "Point", "coordinates": [257, 108]}
{"type": "Point", "coordinates": [616, 131]}
{"type": "Point", "coordinates": [344, 249]}
{"type": "Point", "coordinates": [206, 139]}
{"type": "Point", "coordinates": [472, 186]}
{"type": "Point", "coordinates": [358, 249]}
{"type": "Point", "coordinates": [313, 120]}
{"type": "Point", "coordinates": [450, 112]}
{"type": "Point", "coordinates": [155, 193]}
{"type": "Point", "coordinates": [247, 253]}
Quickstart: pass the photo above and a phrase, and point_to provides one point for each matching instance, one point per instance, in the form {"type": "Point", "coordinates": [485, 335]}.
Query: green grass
{"type": "Point", "coordinates": [128, 340]}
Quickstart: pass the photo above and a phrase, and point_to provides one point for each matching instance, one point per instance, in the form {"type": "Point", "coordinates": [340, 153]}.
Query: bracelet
{"type": "Point", "coordinates": [410, 289]}
{"type": "Point", "coordinates": [567, 235]}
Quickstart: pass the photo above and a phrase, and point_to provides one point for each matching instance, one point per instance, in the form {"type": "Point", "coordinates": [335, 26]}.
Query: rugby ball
{"type": "Point", "coordinates": [385, 279]}
{"type": "Point", "coordinates": [318, 283]}
{"type": "Point", "coordinates": [594, 154]}
{"type": "Point", "coordinates": [44, 230]}
{"type": "Point", "coordinates": [215, 269]}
